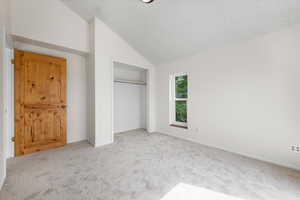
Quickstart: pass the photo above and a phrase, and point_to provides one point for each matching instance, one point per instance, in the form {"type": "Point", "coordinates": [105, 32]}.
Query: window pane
{"type": "Point", "coordinates": [181, 112]}
{"type": "Point", "coordinates": [181, 86]}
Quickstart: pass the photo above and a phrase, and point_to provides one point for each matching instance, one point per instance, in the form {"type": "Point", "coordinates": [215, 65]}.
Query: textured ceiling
{"type": "Point", "coordinates": [170, 29]}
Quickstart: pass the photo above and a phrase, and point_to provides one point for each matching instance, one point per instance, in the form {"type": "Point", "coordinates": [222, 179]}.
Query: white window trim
{"type": "Point", "coordinates": [173, 99]}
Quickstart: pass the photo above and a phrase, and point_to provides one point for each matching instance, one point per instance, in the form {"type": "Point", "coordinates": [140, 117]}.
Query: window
{"type": "Point", "coordinates": [179, 100]}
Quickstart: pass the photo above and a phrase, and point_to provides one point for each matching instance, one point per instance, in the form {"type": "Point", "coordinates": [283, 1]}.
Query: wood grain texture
{"type": "Point", "coordinates": [40, 102]}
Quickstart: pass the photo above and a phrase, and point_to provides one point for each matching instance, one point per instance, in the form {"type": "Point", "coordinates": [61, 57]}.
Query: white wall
{"type": "Point", "coordinates": [108, 47]}
{"type": "Point", "coordinates": [49, 21]}
{"type": "Point", "coordinates": [129, 99]}
{"type": "Point", "coordinates": [4, 14]}
{"type": "Point", "coordinates": [3, 135]}
{"type": "Point", "coordinates": [3, 89]}
{"type": "Point", "coordinates": [244, 98]}
{"type": "Point", "coordinates": [77, 96]}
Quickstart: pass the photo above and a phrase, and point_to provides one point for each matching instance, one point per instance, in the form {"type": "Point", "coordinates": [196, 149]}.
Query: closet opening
{"type": "Point", "coordinates": [130, 98]}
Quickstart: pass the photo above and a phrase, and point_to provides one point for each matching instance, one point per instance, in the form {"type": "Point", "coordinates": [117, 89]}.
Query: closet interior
{"type": "Point", "coordinates": [130, 97]}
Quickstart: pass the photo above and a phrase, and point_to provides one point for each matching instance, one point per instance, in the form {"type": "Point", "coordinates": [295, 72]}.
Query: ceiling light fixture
{"type": "Point", "coordinates": [147, 1]}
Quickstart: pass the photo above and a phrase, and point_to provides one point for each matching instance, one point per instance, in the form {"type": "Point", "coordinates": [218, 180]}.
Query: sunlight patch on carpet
{"type": "Point", "coordinates": [189, 192]}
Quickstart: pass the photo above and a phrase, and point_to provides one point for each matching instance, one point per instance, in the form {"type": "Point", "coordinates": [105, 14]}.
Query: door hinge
{"type": "Point", "coordinates": [13, 139]}
{"type": "Point", "coordinates": [12, 61]}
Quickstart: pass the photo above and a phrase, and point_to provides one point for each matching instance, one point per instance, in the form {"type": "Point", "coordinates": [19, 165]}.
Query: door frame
{"type": "Point", "coordinates": [11, 103]}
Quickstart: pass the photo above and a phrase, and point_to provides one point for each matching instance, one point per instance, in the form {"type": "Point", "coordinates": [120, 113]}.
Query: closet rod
{"type": "Point", "coordinates": [131, 82]}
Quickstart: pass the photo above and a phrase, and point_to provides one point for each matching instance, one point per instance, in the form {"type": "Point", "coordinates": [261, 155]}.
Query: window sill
{"type": "Point", "coordinates": [178, 126]}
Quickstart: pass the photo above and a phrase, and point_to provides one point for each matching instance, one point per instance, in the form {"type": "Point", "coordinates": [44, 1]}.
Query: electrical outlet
{"type": "Point", "coordinates": [295, 148]}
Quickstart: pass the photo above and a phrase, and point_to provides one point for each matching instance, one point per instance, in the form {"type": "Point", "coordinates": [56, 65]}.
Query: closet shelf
{"type": "Point", "coordinates": [130, 82]}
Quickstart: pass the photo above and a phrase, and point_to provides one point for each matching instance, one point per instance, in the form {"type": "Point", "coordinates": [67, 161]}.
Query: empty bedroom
{"type": "Point", "coordinates": [149, 100]}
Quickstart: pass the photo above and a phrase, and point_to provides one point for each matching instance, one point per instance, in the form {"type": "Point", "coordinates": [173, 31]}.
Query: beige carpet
{"type": "Point", "coordinates": [145, 166]}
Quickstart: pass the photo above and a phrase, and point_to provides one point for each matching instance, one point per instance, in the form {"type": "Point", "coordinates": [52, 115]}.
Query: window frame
{"type": "Point", "coordinates": [173, 99]}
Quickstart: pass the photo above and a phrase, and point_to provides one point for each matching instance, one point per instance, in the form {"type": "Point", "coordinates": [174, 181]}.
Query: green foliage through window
{"type": "Point", "coordinates": [181, 84]}
{"type": "Point", "coordinates": [181, 92]}
{"type": "Point", "coordinates": [181, 112]}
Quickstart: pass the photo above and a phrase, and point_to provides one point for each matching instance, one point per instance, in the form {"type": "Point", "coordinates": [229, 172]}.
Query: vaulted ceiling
{"type": "Point", "coordinates": [171, 29]}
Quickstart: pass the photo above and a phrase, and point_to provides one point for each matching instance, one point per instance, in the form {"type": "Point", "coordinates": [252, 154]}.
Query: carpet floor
{"type": "Point", "coordinates": [141, 166]}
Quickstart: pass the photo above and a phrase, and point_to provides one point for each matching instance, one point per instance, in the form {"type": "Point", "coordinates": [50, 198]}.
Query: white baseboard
{"type": "Point", "coordinates": [129, 130]}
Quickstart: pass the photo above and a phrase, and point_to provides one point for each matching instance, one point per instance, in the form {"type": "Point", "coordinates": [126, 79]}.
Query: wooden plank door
{"type": "Point", "coordinates": [40, 102]}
